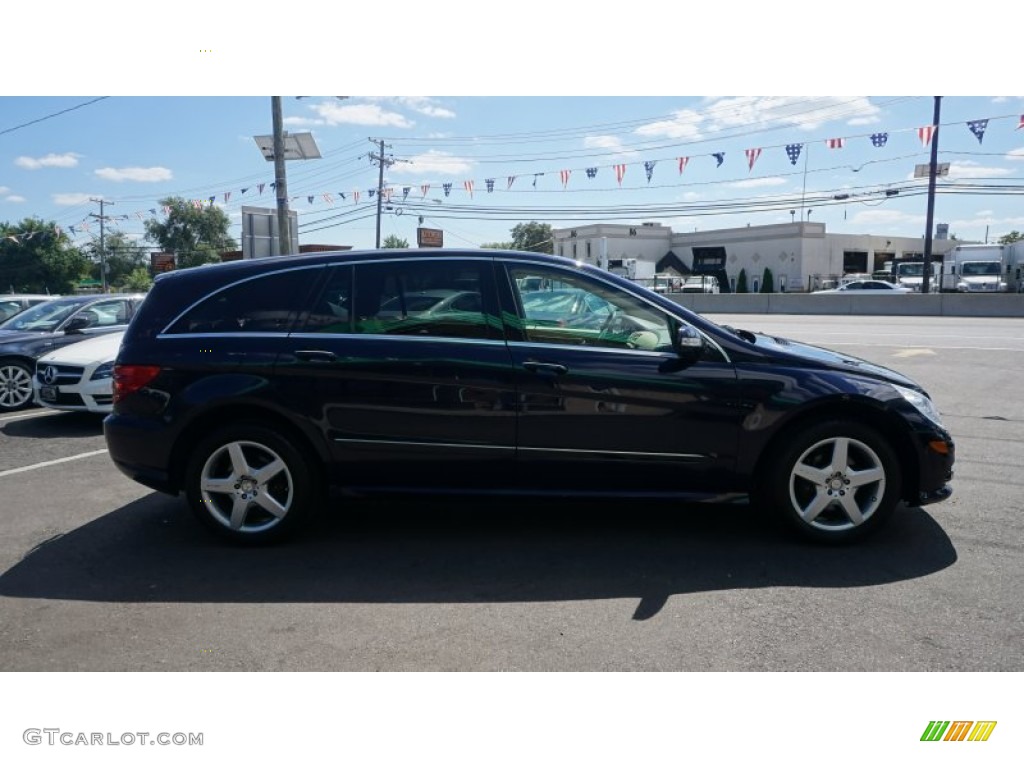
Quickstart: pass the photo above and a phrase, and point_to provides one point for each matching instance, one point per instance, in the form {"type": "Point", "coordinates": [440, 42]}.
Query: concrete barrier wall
{"type": "Point", "coordinates": [934, 304]}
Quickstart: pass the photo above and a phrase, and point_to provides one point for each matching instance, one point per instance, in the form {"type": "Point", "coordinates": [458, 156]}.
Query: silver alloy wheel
{"type": "Point", "coordinates": [15, 386]}
{"type": "Point", "coordinates": [246, 487]}
{"type": "Point", "coordinates": [837, 484]}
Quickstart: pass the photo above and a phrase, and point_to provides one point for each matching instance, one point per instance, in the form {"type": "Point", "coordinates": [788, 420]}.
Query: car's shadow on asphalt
{"type": "Point", "coordinates": [456, 551]}
{"type": "Point", "coordinates": [51, 424]}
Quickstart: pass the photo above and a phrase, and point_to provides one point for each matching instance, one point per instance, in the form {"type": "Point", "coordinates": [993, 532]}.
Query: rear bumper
{"type": "Point", "coordinates": [136, 448]}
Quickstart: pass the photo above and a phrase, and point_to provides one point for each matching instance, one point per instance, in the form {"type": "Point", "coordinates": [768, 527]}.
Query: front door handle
{"type": "Point", "coordinates": [535, 366]}
{"type": "Point", "coordinates": [316, 355]}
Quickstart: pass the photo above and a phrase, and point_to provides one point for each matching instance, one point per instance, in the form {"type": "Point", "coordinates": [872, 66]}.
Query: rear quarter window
{"type": "Point", "coordinates": [265, 304]}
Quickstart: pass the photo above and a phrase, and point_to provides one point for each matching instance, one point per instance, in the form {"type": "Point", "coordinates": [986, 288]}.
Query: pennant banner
{"type": "Point", "coordinates": [793, 151]}
{"type": "Point", "coordinates": [682, 164]}
{"type": "Point", "coordinates": [565, 177]}
{"type": "Point", "coordinates": [752, 155]}
{"type": "Point", "coordinates": [719, 157]}
{"type": "Point", "coordinates": [879, 139]}
{"type": "Point", "coordinates": [977, 127]}
{"type": "Point", "coordinates": [649, 169]}
{"type": "Point", "coordinates": [925, 134]}
{"type": "Point", "coordinates": [836, 143]}
{"type": "Point", "coordinates": [620, 171]}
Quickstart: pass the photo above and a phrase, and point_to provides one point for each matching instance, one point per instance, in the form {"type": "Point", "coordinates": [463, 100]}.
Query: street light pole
{"type": "Point", "coordinates": [280, 180]}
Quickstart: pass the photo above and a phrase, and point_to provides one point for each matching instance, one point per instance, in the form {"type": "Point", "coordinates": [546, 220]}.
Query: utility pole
{"type": "Point", "coordinates": [280, 181]}
{"type": "Point", "coordinates": [103, 250]}
{"type": "Point", "coordinates": [932, 171]}
{"type": "Point", "coordinates": [381, 162]}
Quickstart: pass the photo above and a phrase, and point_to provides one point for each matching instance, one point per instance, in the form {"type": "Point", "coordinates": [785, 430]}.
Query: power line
{"type": "Point", "coordinates": [55, 114]}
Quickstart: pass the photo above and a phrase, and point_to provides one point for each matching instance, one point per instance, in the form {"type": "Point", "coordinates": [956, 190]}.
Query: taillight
{"type": "Point", "coordinates": [130, 378]}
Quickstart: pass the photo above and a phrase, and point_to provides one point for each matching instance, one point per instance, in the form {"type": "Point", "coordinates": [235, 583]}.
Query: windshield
{"type": "Point", "coordinates": [915, 269]}
{"type": "Point", "coordinates": [43, 317]}
{"type": "Point", "coordinates": [975, 268]}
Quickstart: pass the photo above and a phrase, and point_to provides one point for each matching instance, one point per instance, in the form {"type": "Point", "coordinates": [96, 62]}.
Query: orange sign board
{"type": "Point", "coordinates": [430, 238]}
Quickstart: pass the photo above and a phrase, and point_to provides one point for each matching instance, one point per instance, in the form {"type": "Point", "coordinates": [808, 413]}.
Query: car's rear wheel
{"type": "Point", "coordinates": [250, 483]}
{"type": "Point", "coordinates": [836, 482]}
{"type": "Point", "coordinates": [15, 385]}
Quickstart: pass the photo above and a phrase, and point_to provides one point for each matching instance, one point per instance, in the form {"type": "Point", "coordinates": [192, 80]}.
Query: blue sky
{"type": "Point", "coordinates": [133, 151]}
{"type": "Point", "coordinates": [540, 93]}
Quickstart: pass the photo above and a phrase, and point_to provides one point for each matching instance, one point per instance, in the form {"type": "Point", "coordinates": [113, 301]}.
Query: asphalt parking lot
{"type": "Point", "coordinates": [98, 573]}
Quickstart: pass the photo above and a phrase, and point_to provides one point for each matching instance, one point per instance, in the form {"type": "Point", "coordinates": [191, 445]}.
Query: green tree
{"type": "Point", "coordinates": [139, 280]}
{"type": "Point", "coordinates": [508, 246]}
{"type": "Point", "coordinates": [1013, 237]}
{"type": "Point", "coordinates": [741, 282]}
{"type": "Point", "coordinates": [533, 237]}
{"type": "Point", "coordinates": [35, 258]}
{"type": "Point", "coordinates": [767, 281]}
{"type": "Point", "coordinates": [195, 235]}
{"type": "Point", "coordinates": [394, 241]}
{"type": "Point", "coordinates": [123, 257]}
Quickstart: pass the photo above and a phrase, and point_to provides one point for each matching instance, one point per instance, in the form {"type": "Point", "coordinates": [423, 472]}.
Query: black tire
{"type": "Point", "coordinates": [250, 483]}
{"type": "Point", "coordinates": [15, 385]}
{"type": "Point", "coordinates": [828, 498]}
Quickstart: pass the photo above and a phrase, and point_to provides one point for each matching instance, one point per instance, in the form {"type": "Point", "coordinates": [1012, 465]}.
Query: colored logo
{"type": "Point", "coordinates": [958, 730]}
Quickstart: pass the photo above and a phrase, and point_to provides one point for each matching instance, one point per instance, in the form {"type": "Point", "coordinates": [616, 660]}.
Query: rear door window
{"type": "Point", "coordinates": [437, 297]}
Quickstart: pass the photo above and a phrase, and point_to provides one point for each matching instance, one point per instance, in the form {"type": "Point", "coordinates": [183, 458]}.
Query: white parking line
{"type": "Point", "coordinates": [31, 415]}
{"type": "Point", "coordinates": [42, 464]}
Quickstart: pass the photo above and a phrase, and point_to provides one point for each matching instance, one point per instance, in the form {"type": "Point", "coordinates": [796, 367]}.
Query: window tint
{"type": "Point", "coordinates": [426, 297]}
{"type": "Point", "coordinates": [331, 312]}
{"type": "Point", "coordinates": [565, 308]}
{"type": "Point", "coordinates": [265, 304]}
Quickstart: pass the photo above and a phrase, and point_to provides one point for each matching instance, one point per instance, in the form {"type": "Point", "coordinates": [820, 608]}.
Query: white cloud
{"type": "Point", "coordinates": [135, 174]}
{"type": "Point", "coordinates": [984, 213]}
{"type": "Point", "coordinates": [14, 199]}
{"type": "Point", "coordinates": [1008, 222]}
{"type": "Point", "coordinates": [4, 190]}
{"type": "Point", "coordinates": [967, 169]}
{"type": "Point", "coordinates": [767, 181]}
{"type": "Point", "coordinates": [66, 160]}
{"type": "Point", "coordinates": [614, 143]}
{"type": "Point", "coordinates": [71, 198]}
{"type": "Point", "coordinates": [684, 124]}
{"type": "Point", "coordinates": [424, 106]}
{"type": "Point", "coordinates": [1015, 154]}
{"type": "Point", "coordinates": [721, 114]}
{"type": "Point", "coordinates": [359, 114]}
{"type": "Point", "coordinates": [300, 122]}
{"type": "Point", "coordinates": [433, 162]}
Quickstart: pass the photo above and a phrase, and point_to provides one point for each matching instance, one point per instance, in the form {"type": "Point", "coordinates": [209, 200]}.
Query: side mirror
{"type": "Point", "coordinates": [76, 324]}
{"type": "Point", "coordinates": [689, 343]}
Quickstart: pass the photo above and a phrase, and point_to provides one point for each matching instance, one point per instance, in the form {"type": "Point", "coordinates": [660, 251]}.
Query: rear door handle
{"type": "Point", "coordinates": [535, 366]}
{"type": "Point", "coordinates": [316, 355]}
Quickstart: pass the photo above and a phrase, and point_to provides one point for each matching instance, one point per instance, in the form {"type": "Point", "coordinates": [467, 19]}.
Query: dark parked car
{"type": "Point", "coordinates": [48, 326]}
{"type": "Point", "coordinates": [13, 303]}
{"type": "Point", "coordinates": [255, 386]}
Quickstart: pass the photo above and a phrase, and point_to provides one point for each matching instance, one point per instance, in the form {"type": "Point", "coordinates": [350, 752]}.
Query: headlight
{"type": "Point", "coordinates": [922, 403]}
{"type": "Point", "coordinates": [105, 371]}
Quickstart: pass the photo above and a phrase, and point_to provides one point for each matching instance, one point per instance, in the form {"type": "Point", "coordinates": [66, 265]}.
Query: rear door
{"type": "Point", "coordinates": [403, 365]}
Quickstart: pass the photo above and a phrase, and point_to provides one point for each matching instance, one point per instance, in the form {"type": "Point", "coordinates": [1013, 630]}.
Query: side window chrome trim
{"type": "Point", "coordinates": [591, 348]}
{"type": "Point", "coordinates": [223, 288]}
{"type": "Point", "coordinates": [397, 337]}
{"type": "Point", "coordinates": [230, 334]}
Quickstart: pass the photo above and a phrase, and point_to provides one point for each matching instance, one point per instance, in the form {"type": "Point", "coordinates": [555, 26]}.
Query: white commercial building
{"type": "Point", "coordinates": [801, 256]}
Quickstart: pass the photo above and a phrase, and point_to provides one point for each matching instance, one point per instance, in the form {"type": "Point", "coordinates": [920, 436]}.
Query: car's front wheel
{"type": "Point", "coordinates": [836, 481]}
{"type": "Point", "coordinates": [249, 484]}
{"type": "Point", "coordinates": [15, 385]}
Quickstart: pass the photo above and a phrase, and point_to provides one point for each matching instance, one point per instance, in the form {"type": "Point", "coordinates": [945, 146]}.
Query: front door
{"type": "Point", "coordinates": [604, 400]}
